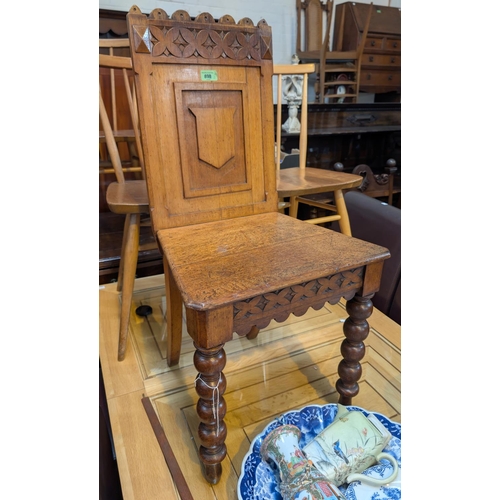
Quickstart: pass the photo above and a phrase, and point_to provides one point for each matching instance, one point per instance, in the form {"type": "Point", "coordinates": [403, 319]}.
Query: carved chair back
{"type": "Point", "coordinates": [312, 26]}
{"type": "Point", "coordinates": [206, 112]}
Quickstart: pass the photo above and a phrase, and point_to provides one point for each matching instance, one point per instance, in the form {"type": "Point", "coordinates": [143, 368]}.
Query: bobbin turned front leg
{"type": "Point", "coordinates": [356, 329]}
{"type": "Point", "coordinates": [211, 408]}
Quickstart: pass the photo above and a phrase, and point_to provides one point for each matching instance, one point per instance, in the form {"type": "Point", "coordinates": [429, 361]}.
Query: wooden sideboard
{"type": "Point", "coordinates": [381, 61]}
{"type": "Point", "coordinates": [351, 134]}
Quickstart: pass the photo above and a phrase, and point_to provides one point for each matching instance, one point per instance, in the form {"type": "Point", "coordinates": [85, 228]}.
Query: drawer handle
{"type": "Point", "coordinates": [361, 118]}
{"type": "Point", "coordinates": [368, 76]}
{"type": "Point", "coordinates": [393, 59]}
{"type": "Point", "coordinates": [395, 44]}
{"type": "Point", "coordinates": [373, 43]}
{"type": "Point", "coordinates": [389, 77]}
{"type": "Point", "coordinates": [370, 58]}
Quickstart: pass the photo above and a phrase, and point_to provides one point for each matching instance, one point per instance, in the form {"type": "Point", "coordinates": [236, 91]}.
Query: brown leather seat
{"type": "Point", "coordinates": [377, 222]}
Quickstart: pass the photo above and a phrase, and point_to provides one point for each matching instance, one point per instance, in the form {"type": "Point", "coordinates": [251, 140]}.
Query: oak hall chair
{"type": "Point", "coordinates": [206, 119]}
{"type": "Point", "coordinates": [303, 184]}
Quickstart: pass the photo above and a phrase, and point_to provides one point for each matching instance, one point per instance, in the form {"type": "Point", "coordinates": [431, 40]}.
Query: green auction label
{"type": "Point", "coordinates": [208, 75]}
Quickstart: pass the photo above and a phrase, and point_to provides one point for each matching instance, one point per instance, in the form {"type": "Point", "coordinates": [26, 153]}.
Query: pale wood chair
{"type": "Point", "coordinates": [114, 85]}
{"type": "Point", "coordinates": [206, 120]}
{"type": "Point", "coordinates": [302, 185]}
{"type": "Point", "coordinates": [126, 197]}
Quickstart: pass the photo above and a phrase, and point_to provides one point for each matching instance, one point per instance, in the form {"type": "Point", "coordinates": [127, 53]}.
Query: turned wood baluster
{"type": "Point", "coordinates": [356, 329]}
{"type": "Point", "coordinates": [211, 408]}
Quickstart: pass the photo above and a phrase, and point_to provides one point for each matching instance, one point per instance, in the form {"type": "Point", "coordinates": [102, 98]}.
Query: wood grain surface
{"type": "Point", "coordinates": [289, 365]}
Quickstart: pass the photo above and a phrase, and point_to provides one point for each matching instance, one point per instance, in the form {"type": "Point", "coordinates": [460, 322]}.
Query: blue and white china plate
{"type": "Point", "coordinates": [258, 481]}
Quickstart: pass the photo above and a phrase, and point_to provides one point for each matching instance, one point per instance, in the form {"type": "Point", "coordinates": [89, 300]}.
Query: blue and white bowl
{"type": "Point", "coordinates": [258, 480]}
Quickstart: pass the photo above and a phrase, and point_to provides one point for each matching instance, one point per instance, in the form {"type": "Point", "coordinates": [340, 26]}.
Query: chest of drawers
{"type": "Point", "coordinates": [381, 62]}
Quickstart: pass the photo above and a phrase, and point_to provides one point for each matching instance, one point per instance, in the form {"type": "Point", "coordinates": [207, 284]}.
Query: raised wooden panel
{"type": "Point", "coordinates": [314, 25]}
{"type": "Point", "coordinates": [205, 118]}
{"type": "Point", "coordinates": [211, 157]}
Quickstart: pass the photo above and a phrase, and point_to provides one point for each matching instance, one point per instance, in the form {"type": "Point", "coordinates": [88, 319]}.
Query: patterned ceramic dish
{"type": "Point", "coordinates": [258, 481]}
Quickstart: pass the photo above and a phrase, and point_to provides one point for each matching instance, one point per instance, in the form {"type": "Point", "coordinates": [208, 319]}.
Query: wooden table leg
{"type": "Point", "coordinates": [253, 333]}
{"type": "Point", "coordinates": [211, 408]}
{"type": "Point", "coordinates": [356, 329]}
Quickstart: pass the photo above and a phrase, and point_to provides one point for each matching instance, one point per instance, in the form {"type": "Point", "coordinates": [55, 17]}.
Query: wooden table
{"type": "Point", "coordinates": [288, 366]}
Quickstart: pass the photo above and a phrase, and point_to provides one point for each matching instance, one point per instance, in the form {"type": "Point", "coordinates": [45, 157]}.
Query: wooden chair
{"type": "Point", "coordinates": [206, 119]}
{"type": "Point", "coordinates": [303, 184]}
{"type": "Point", "coordinates": [127, 197]}
{"type": "Point", "coordinates": [312, 28]}
{"type": "Point", "coordinates": [337, 70]}
{"type": "Point", "coordinates": [378, 185]}
{"type": "Point", "coordinates": [114, 84]}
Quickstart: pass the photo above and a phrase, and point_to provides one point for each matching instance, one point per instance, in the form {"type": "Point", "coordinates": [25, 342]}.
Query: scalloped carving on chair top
{"type": "Point", "coordinates": [236, 41]}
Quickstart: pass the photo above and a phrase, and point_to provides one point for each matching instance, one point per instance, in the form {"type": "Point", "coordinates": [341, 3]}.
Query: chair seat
{"type": "Point", "coordinates": [223, 262]}
{"type": "Point", "coordinates": [293, 181]}
{"type": "Point", "coordinates": [129, 197]}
